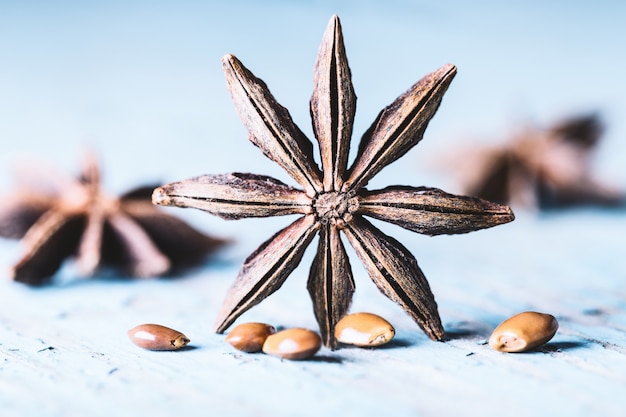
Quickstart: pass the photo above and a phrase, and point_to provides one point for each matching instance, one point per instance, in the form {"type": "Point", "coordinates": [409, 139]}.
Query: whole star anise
{"type": "Point", "coordinates": [548, 168]}
{"type": "Point", "coordinates": [334, 199]}
{"type": "Point", "coordinates": [65, 217]}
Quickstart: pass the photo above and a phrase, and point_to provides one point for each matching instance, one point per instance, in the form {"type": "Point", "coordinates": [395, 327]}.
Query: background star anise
{"type": "Point", "coordinates": [334, 199]}
{"type": "Point", "coordinates": [539, 167]}
{"type": "Point", "coordinates": [60, 217]}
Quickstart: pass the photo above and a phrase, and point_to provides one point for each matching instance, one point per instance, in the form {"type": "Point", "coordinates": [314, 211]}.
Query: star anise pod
{"type": "Point", "coordinates": [74, 217]}
{"type": "Point", "coordinates": [542, 167]}
{"type": "Point", "coordinates": [333, 199]}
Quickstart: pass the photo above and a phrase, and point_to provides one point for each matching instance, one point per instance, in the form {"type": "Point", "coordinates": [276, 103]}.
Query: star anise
{"type": "Point", "coordinates": [542, 167]}
{"type": "Point", "coordinates": [74, 217]}
{"type": "Point", "coordinates": [334, 199]}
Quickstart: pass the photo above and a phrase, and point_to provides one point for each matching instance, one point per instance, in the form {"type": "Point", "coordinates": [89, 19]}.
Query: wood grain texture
{"type": "Point", "coordinates": [68, 345]}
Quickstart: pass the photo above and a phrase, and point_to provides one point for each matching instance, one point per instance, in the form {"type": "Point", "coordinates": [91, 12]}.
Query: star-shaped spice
{"type": "Point", "coordinates": [65, 217]}
{"type": "Point", "coordinates": [546, 168]}
{"type": "Point", "coordinates": [334, 199]}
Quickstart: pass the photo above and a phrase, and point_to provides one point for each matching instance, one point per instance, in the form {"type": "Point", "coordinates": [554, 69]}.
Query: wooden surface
{"type": "Point", "coordinates": [64, 349]}
{"type": "Point", "coordinates": [141, 82]}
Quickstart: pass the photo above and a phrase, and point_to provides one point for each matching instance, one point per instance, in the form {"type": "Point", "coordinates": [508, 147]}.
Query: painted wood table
{"type": "Point", "coordinates": [64, 349]}
{"type": "Point", "coordinates": [142, 82]}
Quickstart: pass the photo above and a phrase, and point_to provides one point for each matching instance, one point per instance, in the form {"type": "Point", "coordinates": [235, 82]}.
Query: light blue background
{"type": "Point", "coordinates": [141, 80]}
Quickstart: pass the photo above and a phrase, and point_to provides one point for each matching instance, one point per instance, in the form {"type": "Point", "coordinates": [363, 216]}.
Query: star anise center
{"type": "Point", "coordinates": [335, 207]}
{"type": "Point", "coordinates": [82, 199]}
{"type": "Point", "coordinates": [74, 201]}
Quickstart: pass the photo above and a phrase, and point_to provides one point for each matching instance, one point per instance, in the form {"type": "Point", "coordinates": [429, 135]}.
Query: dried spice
{"type": "Point", "coordinates": [73, 217]}
{"type": "Point", "coordinates": [333, 199]}
{"type": "Point", "coordinates": [545, 168]}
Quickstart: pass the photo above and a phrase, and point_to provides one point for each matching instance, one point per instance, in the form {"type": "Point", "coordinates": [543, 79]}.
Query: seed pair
{"type": "Point", "coordinates": [295, 344]}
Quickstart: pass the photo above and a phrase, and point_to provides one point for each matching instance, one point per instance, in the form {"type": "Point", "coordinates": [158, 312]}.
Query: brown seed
{"type": "Point", "coordinates": [364, 330]}
{"type": "Point", "coordinates": [296, 343]}
{"type": "Point", "coordinates": [249, 337]}
{"type": "Point", "coordinates": [157, 337]}
{"type": "Point", "coordinates": [524, 331]}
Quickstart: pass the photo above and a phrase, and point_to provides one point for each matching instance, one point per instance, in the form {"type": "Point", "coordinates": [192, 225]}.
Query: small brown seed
{"type": "Point", "coordinates": [157, 337]}
{"type": "Point", "coordinates": [249, 337]}
{"type": "Point", "coordinates": [364, 330]}
{"type": "Point", "coordinates": [296, 343]}
{"type": "Point", "coordinates": [524, 331]}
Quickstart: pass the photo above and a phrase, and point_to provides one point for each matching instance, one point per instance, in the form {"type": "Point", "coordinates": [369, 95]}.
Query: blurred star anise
{"type": "Point", "coordinates": [66, 217]}
{"type": "Point", "coordinates": [548, 168]}
{"type": "Point", "coordinates": [334, 199]}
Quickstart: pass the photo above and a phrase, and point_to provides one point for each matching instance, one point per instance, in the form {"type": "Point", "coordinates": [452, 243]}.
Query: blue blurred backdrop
{"type": "Point", "coordinates": [141, 81]}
